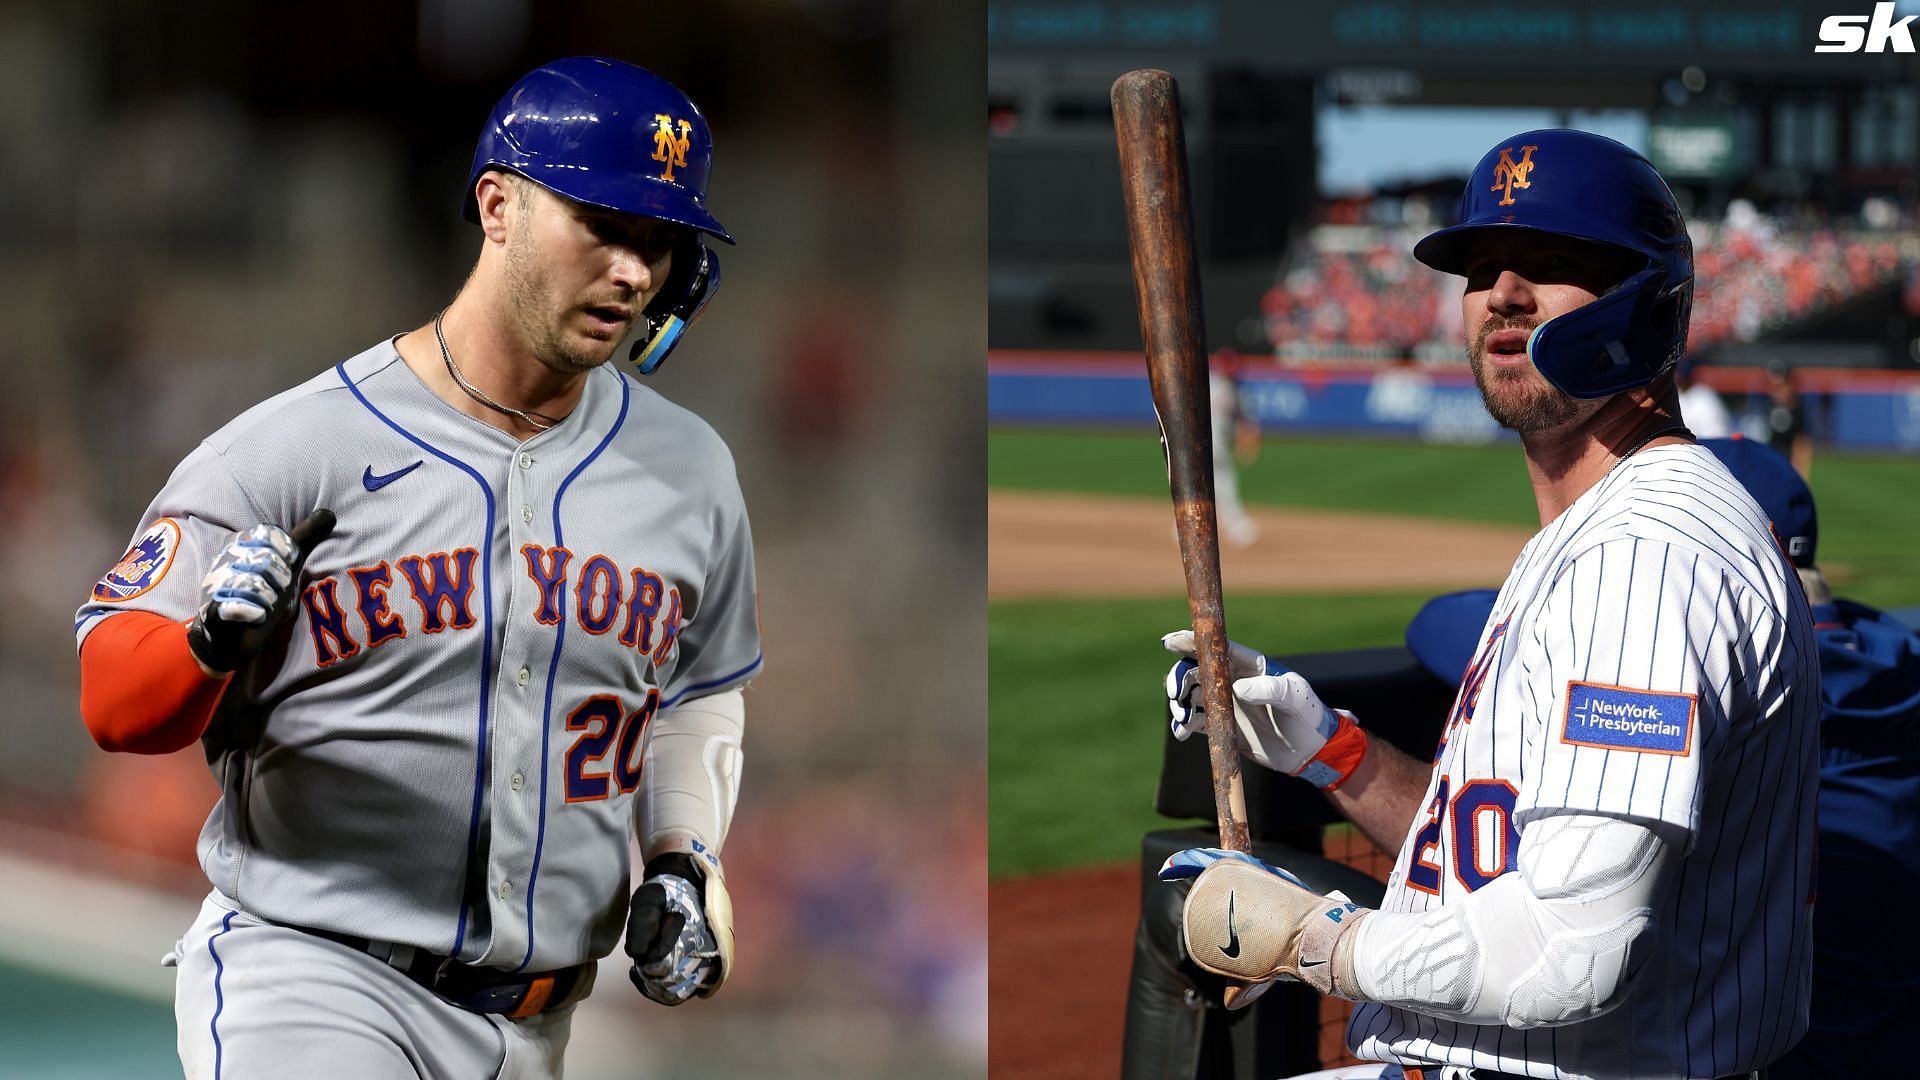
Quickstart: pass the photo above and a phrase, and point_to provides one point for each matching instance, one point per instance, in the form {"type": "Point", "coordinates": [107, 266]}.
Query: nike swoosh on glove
{"type": "Point", "coordinates": [1255, 923]}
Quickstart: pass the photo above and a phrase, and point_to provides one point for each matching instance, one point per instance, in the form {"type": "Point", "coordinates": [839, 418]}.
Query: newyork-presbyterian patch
{"type": "Point", "coordinates": [144, 564]}
{"type": "Point", "coordinates": [1618, 718]}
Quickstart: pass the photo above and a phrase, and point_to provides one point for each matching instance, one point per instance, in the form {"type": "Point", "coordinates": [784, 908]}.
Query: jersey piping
{"type": "Point", "coordinates": [219, 999]}
{"type": "Point", "coordinates": [553, 669]}
{"type": "Point", "coordinates": [711, 683]}
{"type": "Point", "coordinates": [486, 643]}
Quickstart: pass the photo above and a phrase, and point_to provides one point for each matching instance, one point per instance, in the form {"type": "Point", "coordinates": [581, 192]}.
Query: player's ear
{"type": "Point", "coordinates": [496, 198]}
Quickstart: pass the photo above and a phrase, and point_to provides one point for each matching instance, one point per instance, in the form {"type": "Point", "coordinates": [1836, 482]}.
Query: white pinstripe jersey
{"type": "Point", "coordinates": [1650, 656]}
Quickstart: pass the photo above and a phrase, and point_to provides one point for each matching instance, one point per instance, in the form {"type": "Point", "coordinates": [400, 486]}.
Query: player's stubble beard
{"type": "Point", "coordinates": [536, 307]}
{"type": "Point", "coordinates": [1518, 398]}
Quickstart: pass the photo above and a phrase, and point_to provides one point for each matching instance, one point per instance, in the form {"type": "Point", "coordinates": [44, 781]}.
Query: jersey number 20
{"type": "Point", "coordinates": [1484, 839]}
{"type": "Point", "coordinates": [599, 720]}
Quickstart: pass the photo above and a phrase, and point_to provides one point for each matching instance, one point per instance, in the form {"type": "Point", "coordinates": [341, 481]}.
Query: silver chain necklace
{"type": "Point", "coordinates": [538, 421]}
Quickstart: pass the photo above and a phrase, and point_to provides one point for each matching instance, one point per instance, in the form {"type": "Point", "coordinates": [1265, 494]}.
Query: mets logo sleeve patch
{"type": "Point", "coordinates": [1617, 718]}
{"type": "Point", "coordinates": [144, 564]}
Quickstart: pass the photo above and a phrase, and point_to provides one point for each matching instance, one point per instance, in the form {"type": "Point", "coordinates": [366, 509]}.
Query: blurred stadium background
{"type": "Point", "coordinates": [210, 202]}
{"type": "Point", "coordinates": [1323, 140]}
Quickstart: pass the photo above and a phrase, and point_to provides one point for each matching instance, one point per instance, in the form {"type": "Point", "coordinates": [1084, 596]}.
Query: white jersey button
{"type": "Point", "coordinates": [526, 461]}
{"type": "Point", "coordinates": [517, 781]}
{"type": "Point", "coordinates": [506, 889]}
{"type": "Point", "coordinates": [526, 514]}
{"type": "Point", "coordinates": [524, 676]}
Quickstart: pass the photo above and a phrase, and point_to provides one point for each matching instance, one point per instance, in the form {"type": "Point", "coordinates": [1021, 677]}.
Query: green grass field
{"type": "Point", "coordinates": [1477, 483]}
{"type": "Point", "coordinates": [1076, 717]}
{"type": "Point", "coordinates": [1075, 710]}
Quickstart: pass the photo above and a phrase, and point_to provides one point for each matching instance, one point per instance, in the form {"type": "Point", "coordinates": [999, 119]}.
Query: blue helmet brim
{"type": "Point", "coordinates": [622, 195]}
{"type": "Point", "coordinates": [1446, 249]}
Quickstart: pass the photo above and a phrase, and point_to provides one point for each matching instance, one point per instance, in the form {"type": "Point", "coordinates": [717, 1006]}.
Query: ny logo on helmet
{"type": "Point", "coordinates": [669, 147]}
{"type": "Point", "coordinates": [1510, 175]}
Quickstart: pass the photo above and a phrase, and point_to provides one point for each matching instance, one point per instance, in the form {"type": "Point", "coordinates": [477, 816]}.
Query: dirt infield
{"type": "Point", "coordinates": [1054, 545]}
{"type": "Point", "coordinates": [1058, 956]}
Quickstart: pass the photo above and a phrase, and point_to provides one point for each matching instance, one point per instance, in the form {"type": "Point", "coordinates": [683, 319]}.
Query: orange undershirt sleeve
{"type": "Point", "coordinates": [140, 690]}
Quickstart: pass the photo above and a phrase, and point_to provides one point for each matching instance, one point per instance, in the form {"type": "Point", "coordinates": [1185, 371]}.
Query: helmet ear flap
{"type": "Point", "coordinates": [1625, 339]}
{"type": "Point", "coordinates": [691, 281]}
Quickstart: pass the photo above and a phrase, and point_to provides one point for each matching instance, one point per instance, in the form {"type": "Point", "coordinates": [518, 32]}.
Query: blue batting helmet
{"type": "Point", "coordinates": [611, 135]}
{"type": "Point", "coordinates": [1586, 186]}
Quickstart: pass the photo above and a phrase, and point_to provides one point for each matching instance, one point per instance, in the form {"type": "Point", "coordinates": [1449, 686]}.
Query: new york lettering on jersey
{"type": "Point", "coordinates": [441, 585]}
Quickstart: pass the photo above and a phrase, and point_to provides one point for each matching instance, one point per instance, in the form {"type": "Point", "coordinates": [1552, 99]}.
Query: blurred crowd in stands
{"type": "Point", "coordinates": [1352, 292]}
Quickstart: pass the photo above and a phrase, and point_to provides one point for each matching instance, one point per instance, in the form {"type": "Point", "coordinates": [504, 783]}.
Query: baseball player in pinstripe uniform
{"type": "Point", "coordinates": [1607, 870]}
{"type": "Point", "coordinates": [453, 620]}
{"type": "Point", "coordinates": [1869, 818]}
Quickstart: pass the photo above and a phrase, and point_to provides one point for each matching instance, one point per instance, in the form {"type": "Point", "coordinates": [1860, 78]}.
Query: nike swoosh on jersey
{"type": "Point", "coordinates": [1232, 948]}
{"type": "Point", "coordinates": [375, 483]}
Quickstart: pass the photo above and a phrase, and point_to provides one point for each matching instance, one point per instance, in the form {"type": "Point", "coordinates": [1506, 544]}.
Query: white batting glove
{"type": "Point", "coordinates": [1278, 721]}
{"type": "Point", "coordinates": [680, 928]}
{"type": "Point", "coordinates": [1256, 923]}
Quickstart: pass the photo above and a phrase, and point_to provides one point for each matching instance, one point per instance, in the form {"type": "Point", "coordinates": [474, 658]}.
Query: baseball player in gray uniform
{"type": "Point", "coordinates": [1607, 871]}
{"type": "Point", "coordinates": [452, 618]}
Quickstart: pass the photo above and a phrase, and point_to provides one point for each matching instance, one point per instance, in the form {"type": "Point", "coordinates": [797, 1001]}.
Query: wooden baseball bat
{"type": "Point", "coordinates": [1153, 178]}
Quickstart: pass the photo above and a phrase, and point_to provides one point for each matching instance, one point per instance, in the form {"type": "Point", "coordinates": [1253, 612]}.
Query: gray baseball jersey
{"type": "Point", "coordinates": [448, 746]}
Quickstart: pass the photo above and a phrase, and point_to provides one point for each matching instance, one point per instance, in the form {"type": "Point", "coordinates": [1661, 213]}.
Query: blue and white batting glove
{"type": "Point", "coordinates": [248, 590]}
{"type": "Point", "coordinates": [1255, 923]}
{"type": "Point", "coordinates": [1278, 721]}
{"type": "Point", "coordinates": [680, 928]}
{"type": "Point", "coordinates": [250, 574]}
{"type": "Point", "coordinates": [1184, 706]}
